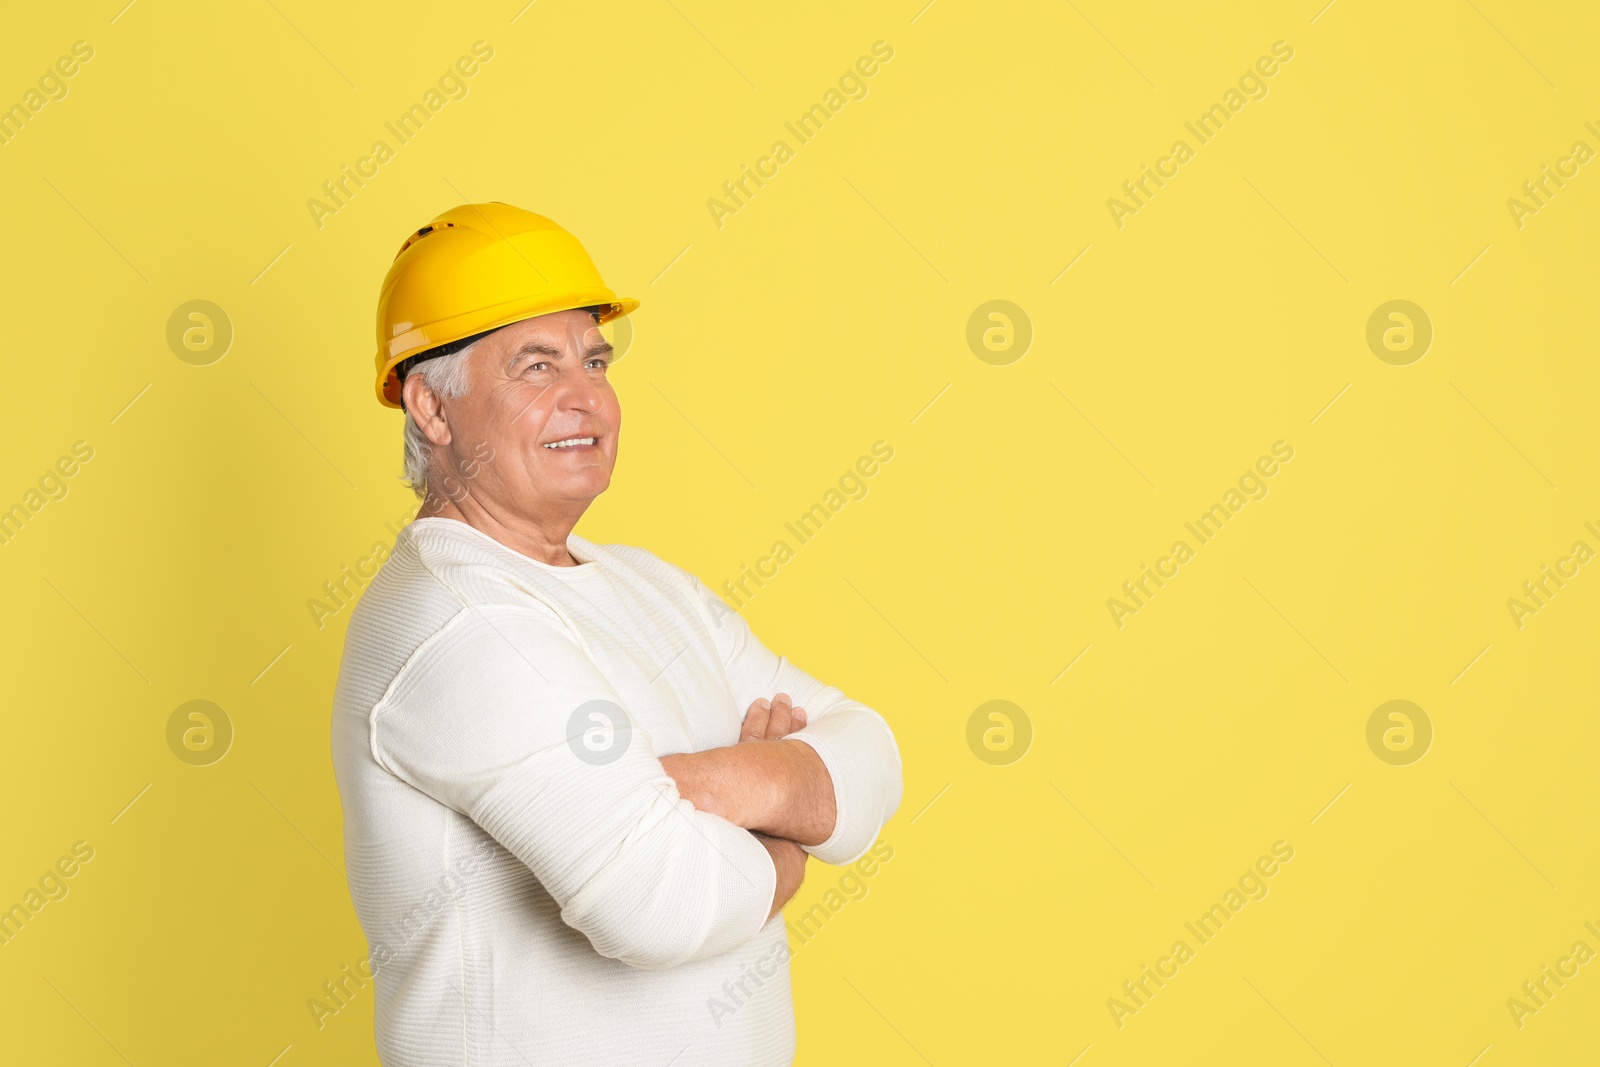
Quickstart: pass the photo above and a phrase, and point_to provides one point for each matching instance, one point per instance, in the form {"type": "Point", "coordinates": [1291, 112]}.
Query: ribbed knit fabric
{"type": "Point", "coordinates": [527, 899]}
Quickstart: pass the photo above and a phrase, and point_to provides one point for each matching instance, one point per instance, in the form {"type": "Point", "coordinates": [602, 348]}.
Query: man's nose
{"type": "Point", "coordinates": [578, 391]}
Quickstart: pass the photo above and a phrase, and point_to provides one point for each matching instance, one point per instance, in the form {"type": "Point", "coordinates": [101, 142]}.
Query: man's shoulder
{"type": "Point", "coordinates": [436, 588]}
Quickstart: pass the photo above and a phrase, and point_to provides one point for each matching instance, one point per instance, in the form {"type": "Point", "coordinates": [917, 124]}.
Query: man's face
{"type": "Point", "coordinates": [534, 383]}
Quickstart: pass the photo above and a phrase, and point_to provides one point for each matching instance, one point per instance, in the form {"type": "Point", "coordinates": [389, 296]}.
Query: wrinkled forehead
{"type": "Point", "coordinates": [558, 334]}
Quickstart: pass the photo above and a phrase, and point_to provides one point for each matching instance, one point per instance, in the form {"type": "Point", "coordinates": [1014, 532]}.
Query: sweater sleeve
{"type": "Point", "coordinates": [502, 716]}
{"type": "Point", "coordinates": [855, 742]}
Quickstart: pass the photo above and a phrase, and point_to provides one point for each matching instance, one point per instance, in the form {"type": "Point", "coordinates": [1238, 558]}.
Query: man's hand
{"type": "Point", "coordinates": [764, 782]}
{"type": "Point", "coordinates": [768, 720]}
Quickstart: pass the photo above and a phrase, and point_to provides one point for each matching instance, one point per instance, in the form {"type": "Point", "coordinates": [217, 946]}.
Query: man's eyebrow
{"type": "Point", "coordinates": [539, 348]}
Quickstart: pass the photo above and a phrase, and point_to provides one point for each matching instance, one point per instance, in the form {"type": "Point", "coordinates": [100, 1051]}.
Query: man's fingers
{"type": "Point", "coordinates": [755, 721]}
{"type": "Point", "coordinates": [772, 719]}
{"type": "Point", "coordinates": [779, 722]}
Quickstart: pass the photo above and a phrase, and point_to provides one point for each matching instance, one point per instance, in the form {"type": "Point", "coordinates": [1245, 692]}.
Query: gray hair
{"type": "Point", "coordinates": [446, 376]}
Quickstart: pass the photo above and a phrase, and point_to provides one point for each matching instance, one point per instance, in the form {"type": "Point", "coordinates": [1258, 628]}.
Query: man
{"type": "Point", "coordinates": [577, 788]}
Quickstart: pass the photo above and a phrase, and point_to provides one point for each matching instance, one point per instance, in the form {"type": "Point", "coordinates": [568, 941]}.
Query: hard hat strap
{"type": "Point", "coordinates": [449, 348]}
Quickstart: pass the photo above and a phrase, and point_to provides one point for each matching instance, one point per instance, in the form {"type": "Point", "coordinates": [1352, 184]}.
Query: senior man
{"type": "Point", "coordinates": [577, 789]}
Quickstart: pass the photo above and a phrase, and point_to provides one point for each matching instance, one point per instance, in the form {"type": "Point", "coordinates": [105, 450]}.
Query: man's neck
{"type": "Point", "coordinates": [545, 542]}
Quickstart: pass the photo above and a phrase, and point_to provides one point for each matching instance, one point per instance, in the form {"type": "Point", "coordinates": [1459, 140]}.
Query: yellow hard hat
{"type": "Point", "coordinates": [476, 268]}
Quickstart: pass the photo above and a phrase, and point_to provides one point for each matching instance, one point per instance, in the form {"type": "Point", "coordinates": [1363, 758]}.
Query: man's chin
{"type": "Point", "coordinates": [585, 484]}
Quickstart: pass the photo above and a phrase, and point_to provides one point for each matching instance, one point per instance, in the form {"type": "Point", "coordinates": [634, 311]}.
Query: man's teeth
{"type": "Point", "coordinates": [569, 442]}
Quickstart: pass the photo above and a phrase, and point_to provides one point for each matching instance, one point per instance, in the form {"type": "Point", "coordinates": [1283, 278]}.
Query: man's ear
{"type": "Point", "coordinates": [426, 409]}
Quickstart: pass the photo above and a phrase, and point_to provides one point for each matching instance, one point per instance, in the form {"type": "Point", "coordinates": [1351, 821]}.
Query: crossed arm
{"type": "Point", "coordinates": [650, 880]}
{"type": "Point", "coordinates": [778, 789]}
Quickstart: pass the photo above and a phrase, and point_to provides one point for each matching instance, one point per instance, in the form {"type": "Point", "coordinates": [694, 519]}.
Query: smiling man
{"type": "Point", "coordinates": [577, 789]}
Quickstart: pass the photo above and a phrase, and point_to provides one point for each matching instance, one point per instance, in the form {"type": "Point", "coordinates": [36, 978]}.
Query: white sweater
{"type": "Point", "coordinates": [532, 887]}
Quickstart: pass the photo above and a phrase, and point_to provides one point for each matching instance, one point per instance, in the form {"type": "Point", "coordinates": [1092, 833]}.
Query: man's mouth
{"type": "Point", "coordinates": [572, 442]}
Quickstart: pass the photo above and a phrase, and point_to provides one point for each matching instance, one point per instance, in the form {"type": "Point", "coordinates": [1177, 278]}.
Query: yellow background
{"type": "Point", "coordinates": [769, 354]}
